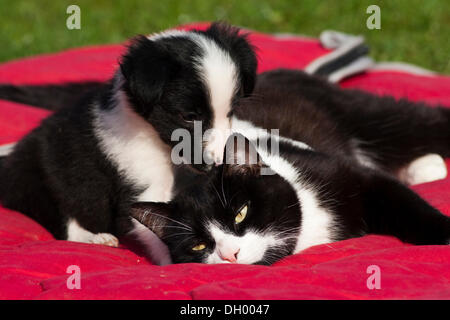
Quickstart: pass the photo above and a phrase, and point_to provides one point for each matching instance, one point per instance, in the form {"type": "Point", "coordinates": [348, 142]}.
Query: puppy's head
{"type": "Point", "coordinates": [190, 80]}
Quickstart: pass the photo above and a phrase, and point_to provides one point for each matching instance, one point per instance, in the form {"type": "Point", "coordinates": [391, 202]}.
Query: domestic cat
{"type": "Point", "coordinates": [339, 173]}
{"type": "Point", "coordinates": [80, 170]}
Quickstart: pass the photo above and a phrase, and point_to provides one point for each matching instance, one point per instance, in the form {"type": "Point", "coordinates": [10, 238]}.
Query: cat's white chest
{"type": "Point", "coordinates": [316, 221]}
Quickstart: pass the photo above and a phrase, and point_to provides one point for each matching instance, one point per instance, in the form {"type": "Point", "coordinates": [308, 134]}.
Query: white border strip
{"type": "Point", "coordinates": [292, 36]}
{"type": "Point", "coordinates": [402, 67]}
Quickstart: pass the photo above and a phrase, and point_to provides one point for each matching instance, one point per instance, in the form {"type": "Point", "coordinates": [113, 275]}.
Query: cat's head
{"type": "Point", "coordinates": [233, 214]}
{"type": "Point", "coordinates": [176, 79]}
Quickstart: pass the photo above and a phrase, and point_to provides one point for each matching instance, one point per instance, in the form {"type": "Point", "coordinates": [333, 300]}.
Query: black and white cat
{"type": "Point", "coordinates": [79, 171]}
{"type": "Point", "coordinates": [344, 159]}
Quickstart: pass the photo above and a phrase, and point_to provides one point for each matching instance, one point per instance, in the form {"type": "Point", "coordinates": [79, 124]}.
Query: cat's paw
{"type": "Point", "coordinates": [105, 239]}
{"type": "Point", "coordinates": [430, 167]}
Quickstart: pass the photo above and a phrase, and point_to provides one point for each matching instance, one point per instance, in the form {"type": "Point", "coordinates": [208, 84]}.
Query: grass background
{"type": "Point", "coordinates": [415, 31]}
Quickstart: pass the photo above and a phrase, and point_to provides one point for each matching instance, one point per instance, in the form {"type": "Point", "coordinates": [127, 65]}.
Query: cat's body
{"type": "Point", "coordinates": [341, 153]}
{"type": "Point", "coordinates": [379, 132]}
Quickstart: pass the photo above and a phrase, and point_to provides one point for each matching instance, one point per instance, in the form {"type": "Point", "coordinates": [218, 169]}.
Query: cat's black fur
{"type": "Point", "coordinates": [59, 171]}
{"type": "Point", "coordinates": [339, 125]}
{"type": "Point", "coordinates": [217, 196]}
{"type": "Point", "coordinates": [390, 132]}
{"type": "Point", "coordinates": [52, 96]}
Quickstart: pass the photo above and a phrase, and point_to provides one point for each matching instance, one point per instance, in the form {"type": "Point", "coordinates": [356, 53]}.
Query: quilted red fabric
{"type": "Point", "coordinates": [33, 265]}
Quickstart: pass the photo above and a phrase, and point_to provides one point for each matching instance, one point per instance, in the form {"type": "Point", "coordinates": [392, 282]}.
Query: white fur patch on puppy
{"type": "Point", "coordinates": [428, 168]}
{"type": "Point", "coordinates": [77, 233]}
{"type": "Point", "coordinates": [133, 144]}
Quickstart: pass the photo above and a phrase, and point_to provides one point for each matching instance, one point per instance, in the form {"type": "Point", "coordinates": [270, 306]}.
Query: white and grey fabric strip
{"type": "Point", "coordinates": [350, 56]}
{"type": "Point", "coordinates": [6, 149]}
{"type": "Point", "coordinates": [402, 67]}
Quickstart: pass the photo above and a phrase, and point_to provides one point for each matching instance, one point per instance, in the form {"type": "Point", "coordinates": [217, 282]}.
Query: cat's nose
{"type": "Point", "coordinates": [229, 255]}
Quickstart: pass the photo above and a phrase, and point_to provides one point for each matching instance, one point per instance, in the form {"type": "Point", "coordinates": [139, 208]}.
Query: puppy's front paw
{"type": "Point", "coordinates": [105, 239]}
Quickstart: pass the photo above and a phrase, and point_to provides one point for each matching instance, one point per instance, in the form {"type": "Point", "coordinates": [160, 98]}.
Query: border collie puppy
{"type": "Point", "coordinates": [344, 157]}
{"type": "Point", "coordinates": [79, 171]}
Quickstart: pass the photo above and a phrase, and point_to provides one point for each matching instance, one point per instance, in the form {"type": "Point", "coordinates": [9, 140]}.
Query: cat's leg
{"type": "Point", "coordinates": [78, 234]}
{"type": "Point", "coordinates": [391, 208]}
{"type": "Point", "coordinates": [430, 167]}
{"type": "Point", "coordinates": [385, 132]}
{"type": "Point", "coordinates": [401, 137]}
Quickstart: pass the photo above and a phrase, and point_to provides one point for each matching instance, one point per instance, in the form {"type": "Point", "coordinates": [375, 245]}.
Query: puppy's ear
{"type": "Point", "coordinates": [241, 157]}
{"type": "Point", "coordinates": [247, 63]}
{"type": "Point", "coordinates": [146, 67]}
{"type": "Point", "coordinates": [153, 215]}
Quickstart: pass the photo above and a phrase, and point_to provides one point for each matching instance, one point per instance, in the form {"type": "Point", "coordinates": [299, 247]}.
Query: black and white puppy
{"type": "Point", "coordinates": [80, 170]}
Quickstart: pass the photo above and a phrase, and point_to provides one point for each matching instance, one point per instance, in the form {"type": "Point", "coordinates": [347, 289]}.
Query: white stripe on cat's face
{"type": "Point", "coordinates": [246, 249]}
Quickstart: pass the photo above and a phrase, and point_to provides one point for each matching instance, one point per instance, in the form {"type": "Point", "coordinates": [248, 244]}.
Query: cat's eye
{"type": "Point", "coordinates": [199, 247]}
{"type": "Point", "coordinates": [241, 214]}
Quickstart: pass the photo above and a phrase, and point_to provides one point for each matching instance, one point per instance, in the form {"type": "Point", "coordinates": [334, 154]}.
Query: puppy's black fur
{"type": "Point", "coordinates": [343, 127]}
{"type": "Point", "coordinates": [59, 171]}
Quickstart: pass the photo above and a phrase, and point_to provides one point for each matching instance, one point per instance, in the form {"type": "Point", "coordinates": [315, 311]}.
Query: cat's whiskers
{"type": "Point", "coordinates": [188, 238]}
{"type": "Point", "coordinates": [291, 205]}
{"type": "Point", "coordinates": [177, 234]}
{"type": "Point", "coordinates": [173, 227]}
{"type": "Point", "coordinates": [173, 220]}
{"type": "Point", "coordinates": [218, 195]}
{"type": "Point", "coordinates": [287, 234]}
{"type": "Point", "coordinates": [271, 257]}
{"type": "Point", "coordinates": [223, 192]}
{"type": "Point", "coordinates": [231, 199]}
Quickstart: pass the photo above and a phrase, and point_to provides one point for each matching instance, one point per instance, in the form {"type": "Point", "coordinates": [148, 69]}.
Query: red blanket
{"type": "Point", "coordinates": [33, 265]}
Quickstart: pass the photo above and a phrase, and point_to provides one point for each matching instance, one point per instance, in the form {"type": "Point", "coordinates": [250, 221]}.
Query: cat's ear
{"type": "Point", "coordinates": [153, 215]}
{"type": "Point", "coordinates": [241, 156]}
{"type": "Point", "coordinates": [146, 67]}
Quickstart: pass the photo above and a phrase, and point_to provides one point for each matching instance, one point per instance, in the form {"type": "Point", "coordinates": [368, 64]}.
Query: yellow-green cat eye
{"type": "Point", "coordinates": [241, 214]}
{"type": "Point", "coordinates": [199, 247]}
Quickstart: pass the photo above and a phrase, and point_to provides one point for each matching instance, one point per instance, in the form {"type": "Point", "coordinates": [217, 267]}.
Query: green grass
{"type": "Point", "coordinates": [415, 31]}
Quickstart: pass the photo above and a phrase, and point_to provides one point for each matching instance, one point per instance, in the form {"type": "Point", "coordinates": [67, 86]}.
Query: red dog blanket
{"type": "Point", "coordinates": [33, 265]}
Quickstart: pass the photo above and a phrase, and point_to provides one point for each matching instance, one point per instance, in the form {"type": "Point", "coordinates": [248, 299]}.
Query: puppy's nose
{"type": "Point", "coordinates": [218, 161]}
{"type": "Point", "coordinates": [213, 157]}
{"type": "Point", "coordinates": [229, 255]}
